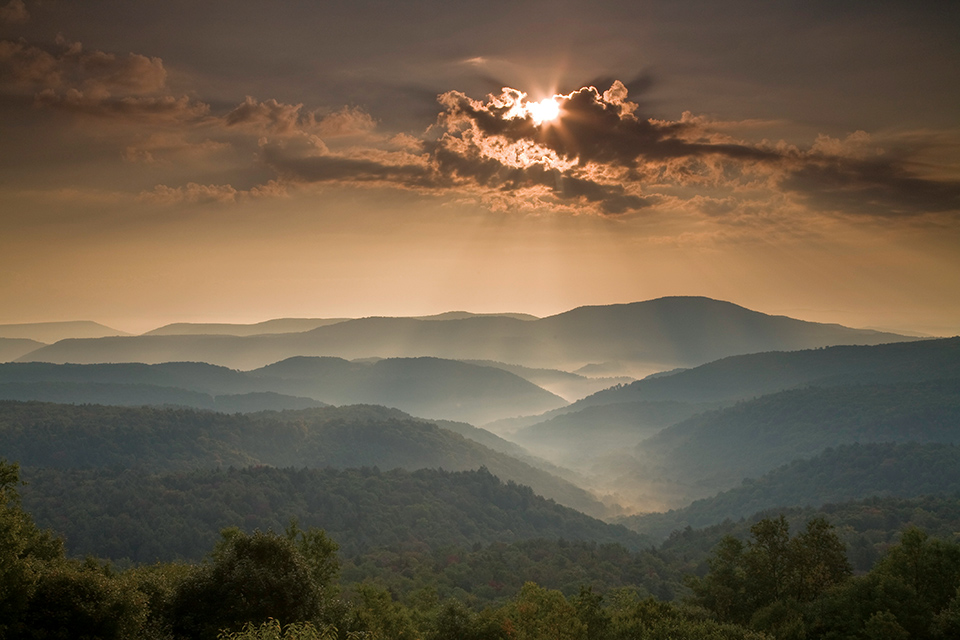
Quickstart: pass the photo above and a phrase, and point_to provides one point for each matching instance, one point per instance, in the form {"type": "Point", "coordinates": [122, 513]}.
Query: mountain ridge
{"type": "Point", "coordinates": [650, 335]}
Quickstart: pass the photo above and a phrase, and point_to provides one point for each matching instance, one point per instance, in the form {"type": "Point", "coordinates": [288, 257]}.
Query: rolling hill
{"type": "Point", "coordinates": [50, 332]}
{"type": "Point", "coordinates": [13, 348]}
{"type": "Point", "coordinates": [278, 325]}
{"type": "Point", "coordinates": [844, 474]}
{"type": "Point", "coordinates": [166, 440]}
{"type": "Point", "coordinates": [742, 377]}
{"type": "Point", "coordinates": [117, 514]}
{"type": "Point", "coordinates": [429, 387]}
{"type": "Point", "coordinates": [719, 448]}
{"type": "Point", "coordinates": [648, 336]}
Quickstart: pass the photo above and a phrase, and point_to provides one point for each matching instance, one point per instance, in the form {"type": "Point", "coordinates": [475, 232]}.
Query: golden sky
{"type": "Point", "coordinates": [239, 161]}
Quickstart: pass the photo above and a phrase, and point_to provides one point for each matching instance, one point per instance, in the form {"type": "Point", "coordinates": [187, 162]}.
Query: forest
{"type": "Point", "coordinates": [789, 495]}
{"type": "Point", "coordinates": [289, 584]}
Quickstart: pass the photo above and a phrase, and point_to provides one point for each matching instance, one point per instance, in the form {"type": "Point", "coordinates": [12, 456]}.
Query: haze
{"type": "Point", "coordinates": [236, 162]}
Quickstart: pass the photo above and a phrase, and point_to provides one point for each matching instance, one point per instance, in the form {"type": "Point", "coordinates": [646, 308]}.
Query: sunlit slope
{"type": "Point", "coordinates": [643, 337]}
{"type": "Point", "coordinates": [70, 436]}
{"type": "Point", "coordinates": [842, 474]}
{"type": "Point", "coordinates": [429, 387]}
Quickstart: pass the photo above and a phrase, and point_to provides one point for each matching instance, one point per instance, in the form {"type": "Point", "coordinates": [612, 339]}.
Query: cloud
{"type": "Point", "coordinates": [194, 193]}
{"type": "Point", "coordinates": [164, 146]}
{"type": "Point", "coordinates": [158, 109]}
{"type": "Point", "coordinates": [287, 120]}
{"type": "Point", "coordinates": [601, 152]}
{"type": "Point", "coordinates": [95, 83]}
{"type": "Point", "coordinates": [14, 12]}
{"type": "Point", "coordinates": [67, 66]}
{"type": "Point", "coordinates": [875, 187]}
{"type": "Point", "coordinates": [600, 155]}
{"type": "Point", "coordinates": [27, 68]}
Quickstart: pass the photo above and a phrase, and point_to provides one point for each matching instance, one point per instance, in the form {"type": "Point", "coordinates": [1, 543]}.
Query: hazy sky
{"type": "Point", "coordinates": [238, 161]}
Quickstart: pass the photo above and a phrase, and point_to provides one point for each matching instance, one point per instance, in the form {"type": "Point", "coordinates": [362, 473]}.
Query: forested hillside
{"type": "Point", "coordinates": [719, 448]}
{"type": "Point", "coordinates": [741, 377]}
{"type": "Point", "coordinates": [147, 517]}
{"type": "Point", "coordinates": [429, 387]}
{"type": "Point", "coordinates": [847, 473]}
{"type": "Point", "coordinates": [151, 439]}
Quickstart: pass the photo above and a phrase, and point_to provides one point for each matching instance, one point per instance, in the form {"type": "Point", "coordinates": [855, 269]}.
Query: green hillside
{"type": "Point", "coordinates": [747, 376]}
{"type": "Point", "coordinates": [136, 395]}
{"type": "Point", "coordinates": [134, 514]}
{"type": "Point", "coordinates": [163, 440]}
{"type": "Point", "coordinates": [719, 448]}
{"type": "Point", "coordinates": [430, 387]}
{"type": "Point", "coordinates": [845, 474]}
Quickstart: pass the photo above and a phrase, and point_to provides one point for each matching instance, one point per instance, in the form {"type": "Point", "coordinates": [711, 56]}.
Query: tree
{"type": "Point", "coordinates": [252, 578]}
{"type": "Point", "coordinates": [768, 561]}
{"type": "Point", "coordinates": [543, 614]}
{"type": "Point", "coordinates": [724, 589]}
{"type": "Point", "coordinates": [819, 560]}
{"type": "Point", "coordinates": [24, 551]}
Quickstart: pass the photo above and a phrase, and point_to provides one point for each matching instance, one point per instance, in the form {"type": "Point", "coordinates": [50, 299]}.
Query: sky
{"type": "Point", "coordinates": [238, 161]}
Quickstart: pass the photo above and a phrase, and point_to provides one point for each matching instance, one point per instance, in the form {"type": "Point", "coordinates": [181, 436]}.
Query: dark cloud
{"type": "Point", "coordinates": [334, 168]}
{"type": "Point", "coordinates": [65, 76]}
{"type": "Point", "coordinates": [154, 109]}
{"type": "Point", "coordinates": [879, 187]}
{"type": "Point", "coordinates": [14, 12]}
{"type": "Point", "coordinates": [615, 154]}
{"type": "Point", "coordinates": [592, 127]}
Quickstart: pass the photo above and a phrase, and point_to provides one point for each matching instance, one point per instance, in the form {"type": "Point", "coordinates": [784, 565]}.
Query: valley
{"type": "Point", "coordinates": [471, 456]}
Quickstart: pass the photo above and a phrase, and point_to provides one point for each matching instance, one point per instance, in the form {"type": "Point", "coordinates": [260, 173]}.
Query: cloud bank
{"type": "Point", "coordinates": [599, 155]}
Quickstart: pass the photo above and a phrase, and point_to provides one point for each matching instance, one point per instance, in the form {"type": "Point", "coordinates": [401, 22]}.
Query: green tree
{"type": "Point", "coordinates": [25, 551]}
{"type": "Point", "coordinates": [542, 614]}
{"type": "Point", "coordinates": [251, 578]}
{"type": "Point", "coordinates": [73, 601]}
{"type": "Point", "coordinates": [768, 561]}
{"type": "Point", "coordinates": [819, 560]}
{"type": "Point", "coordinates": [724, 589]}
{"type": "Point", "coordinates": [320, 552]}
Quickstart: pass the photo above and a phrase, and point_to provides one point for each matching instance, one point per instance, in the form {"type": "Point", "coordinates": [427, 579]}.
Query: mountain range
{"type": "Point", "coordinates": [428, 387]}
{"type": "Point", "coordinates": [641, 338]}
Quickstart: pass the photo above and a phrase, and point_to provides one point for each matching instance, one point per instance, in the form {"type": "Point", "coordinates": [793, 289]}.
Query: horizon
{"type": "Point", "coordinates": [322, 162]}
{"type": "Point", "coordinates": [904, 331]}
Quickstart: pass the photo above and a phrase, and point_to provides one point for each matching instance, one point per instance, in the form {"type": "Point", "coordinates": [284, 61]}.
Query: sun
{"type": "Point", "coordinates": [546, 110]}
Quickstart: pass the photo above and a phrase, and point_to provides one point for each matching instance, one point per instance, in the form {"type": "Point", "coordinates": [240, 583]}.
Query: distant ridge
{"type": "Point", "coordinates": [278, 325]}
{"type": "Point", "coordinates": [50, 332]}
{"type": "Point", "coordinates": [427, 387]}
{"type": "Point", "coordinates": [461, 315]}
{"type": "Point", "coordinates": [648, 336]}
{"type": "Point", "coordinates": [13, 348]}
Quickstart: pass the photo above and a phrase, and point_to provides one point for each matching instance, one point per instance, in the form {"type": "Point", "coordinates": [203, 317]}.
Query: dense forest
{"type": "Point", "coordinates": [288, 584]}
{"type": "Point", "coordinates": [721, 447]}
{"type": "Point", "coordinates": [843, 474]}
{"type": "Point", "coordinates": [132, 514]}
{"type": "Point", "coordinates": [155, 439]}
{"type": "Point", "coordinates": [829, 482]}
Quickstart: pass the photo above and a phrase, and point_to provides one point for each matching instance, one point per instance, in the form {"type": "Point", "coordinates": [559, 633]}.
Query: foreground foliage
{"type": "Point", "coordinates": [284, 586]}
